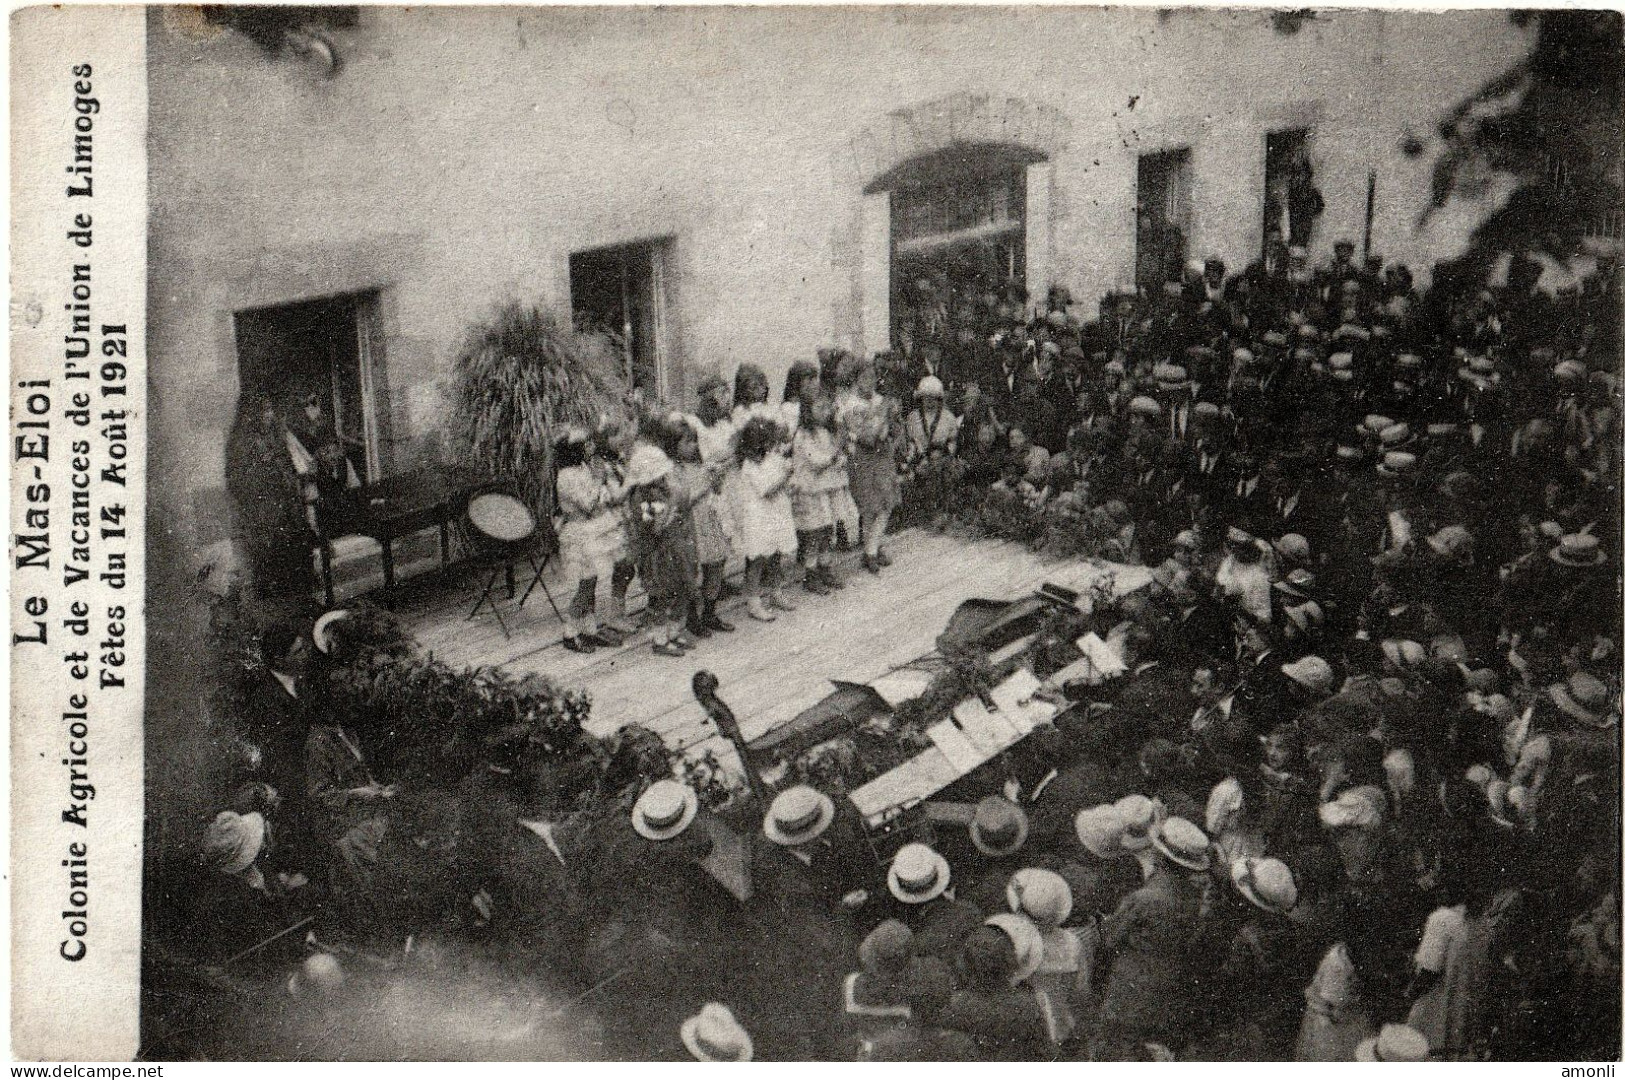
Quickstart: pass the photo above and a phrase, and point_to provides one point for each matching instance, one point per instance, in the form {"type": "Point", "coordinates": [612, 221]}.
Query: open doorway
{"type": "Point", "coordinates": [1292, 203]}
{"type": "Point", "coordinates": [1162, 232]}
{"type": "Point", "coordinates": [621, 291]}
{"type": "Point", "coordinates": [326, 353]}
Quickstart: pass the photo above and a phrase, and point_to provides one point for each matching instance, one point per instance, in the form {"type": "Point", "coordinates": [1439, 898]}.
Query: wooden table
{"type": "Point", "coordinates": [392, 509]}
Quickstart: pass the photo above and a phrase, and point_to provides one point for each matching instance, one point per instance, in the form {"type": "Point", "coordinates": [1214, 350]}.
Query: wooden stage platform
{"type": "Point", "coordinates": [769, 672]}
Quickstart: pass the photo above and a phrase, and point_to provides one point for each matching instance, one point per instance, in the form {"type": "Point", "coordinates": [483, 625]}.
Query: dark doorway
{"type": "Point", "coordinates": [959, 242]}
{"type": "Point", "coordinates": [621, 291]}
{"type": "Point", "coordinates": [1163, 209]}
{"type": "Point", "coordinates": [329, 349]}
{"type": "Point", "coordinates": [1291, 201]}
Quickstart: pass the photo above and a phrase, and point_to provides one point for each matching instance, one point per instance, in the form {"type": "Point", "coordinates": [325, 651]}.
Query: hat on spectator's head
{"type": "Point", "coordinates": [1137, 814]}
{"type": "Point", "coordinates": [1396, 1042]}
{"type": "Point", "coordinates": [233, 841]}
{"type": "Point", "coordinates": [1292, 546]}
{"type": "Point", "coordinates": [1396, 463]}
{"type": "Point", "coordinates": [1578, 549]}
{"type": "Point", "coordinates": [1145, 406]}
{"type": "Point", "coordinates": [1170, 377]}
{"type": "Point", "coordinates": [798, 815]}
{"type": "Point", "coordinates": [664, 810]}
{"type": "Point", "coordinates": [1024, 936]}
{"type": "Point", "coordinates": [1585, 698]}
{"type": "Point", "coordinates": [1100, 831]}
{"type": "Point", "coordinates": [1312, 673]}
{"type": "Point", "coordinates": [886, 952]}
{"type": "Point", "coordinates": [1452, 541]}
{"type": "Point", "coordinates": [1297, 584]}
{"type": "Point", "coordinates": [930, 386]}
{"type": "Point", "coordinates": [714, 1034]}
{"type": "Point", "coordinates": [918, 874]}
{"type": "Point", "coordinates": [1266, 883]}
{"type": "Point", "coordinates": [1181, 842]}
{"type": "Point", "coordinates": [999, 826]}
{"type": "Point", "coordinates": [1041, 895]}
{"type": "Point", "coordinates": [1375, 424]}
{"type": "Point", "coordinates": [1569, 371]}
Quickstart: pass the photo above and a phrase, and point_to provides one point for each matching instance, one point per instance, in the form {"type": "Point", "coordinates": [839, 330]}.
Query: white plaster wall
{"type": "Point", "coordinates": [461, 155]}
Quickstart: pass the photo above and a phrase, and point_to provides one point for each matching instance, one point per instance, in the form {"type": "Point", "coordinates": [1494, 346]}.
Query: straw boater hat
{"type": "Point", "coordinates": [1396, 1042]}
{"type": "Point", "coordinates": [1100, 831]}
{"type": "Point", "coordinates": [917, 874]}
{"type": "Point", "coordinates": [798, 815]}
{"type": "Point", "coordinates": [930, 386]}
{"type": "Point", "coordinates": [1585, 698]}
{"type": "Point", "coordinates": [1266, 883]}
{"type": "Point", "coordinates": [1144, 406]}
{"type": "Point", "coordinates": [999, 827]}
{"type": "Point", "coordinates": [1137, 815]}
{"type": "Point", "coordinates": [664, 810]}
{"type": "Point", "coordinates": [1578, 549]}
{"type": "Point", "coordinates": [1025, 937]}
{"type": "Point", "coordinates": [1181, 842]}
{"type": "Point", "coordinates": [233, 841]}
{"type": "Point", "coordinates": [1404, 654]}
{"type": "Point", "coordinates": [715, 1035]}
{"type": "Point", "coordinates": [1207, 410]}
{"type": "Point", "coordinates": [1307, 616]}
{"type": "Point", "coordinates": [1170, 377]}
{"type": "Point", "coordinates": [1041, 895]}
{"type": "Point", "coordinates": [322, 633]}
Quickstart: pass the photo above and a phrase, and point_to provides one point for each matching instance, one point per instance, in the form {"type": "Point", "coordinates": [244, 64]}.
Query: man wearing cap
{"type": "Point", "coordinates": [822, 848]}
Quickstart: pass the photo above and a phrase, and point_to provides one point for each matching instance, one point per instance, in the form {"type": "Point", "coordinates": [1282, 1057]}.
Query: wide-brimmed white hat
{"type": "Point", "coordinates": [1041, 895]}
{"type": "Point", "coordinates": [1585, 698]}
{"type": "Point", "coordinates": [930, 386]}
{"type": "Point", "coordinates": [1395, 1042]}
{"type": "Point", "coordinates": [1578, 549]}
{"type": "Point", "coordinates": [1266, 883]}
{"type": "Point", "coordinates": [714, 1034]}
{"type": "Point", "coordinates": [1025, 937]}
{"type": "Point", "coordinates": [664, 810]}
{"type": "Point", "coordinates": [1138, 816]}
{"type": "Point", "coordinates": [917, 874]}
{"type": "Point", "coordinates": [1100, 831]}
{"type": "Point", "coordinates": [798, 815]}
{"type": "Point", "coordinates": [1181, 842]}
{"type": "Point", "coordinates": [233, 841]}
{"type": "Point", "coordinates": [321, 634]}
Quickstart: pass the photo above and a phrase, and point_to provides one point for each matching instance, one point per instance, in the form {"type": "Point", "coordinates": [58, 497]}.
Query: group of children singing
{"type": "Point", "coordinates": [775, 484]}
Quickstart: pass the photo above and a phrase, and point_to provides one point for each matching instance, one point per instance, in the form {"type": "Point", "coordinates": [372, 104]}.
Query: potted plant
{"type": "Point", "coordinates": [519, 379]}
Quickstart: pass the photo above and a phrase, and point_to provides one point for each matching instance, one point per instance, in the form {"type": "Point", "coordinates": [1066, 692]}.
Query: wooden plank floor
{"type": "Point", "coordinates": [768, 672]}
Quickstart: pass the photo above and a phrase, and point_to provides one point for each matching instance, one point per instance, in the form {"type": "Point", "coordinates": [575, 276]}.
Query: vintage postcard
{"type": "Point", "coordinates": [884, 533]}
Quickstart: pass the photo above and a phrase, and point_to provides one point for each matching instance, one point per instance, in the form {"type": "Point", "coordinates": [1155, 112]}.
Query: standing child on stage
{"type": "Point", "coordinates": [815, 458]}
{"type": "Point", "coordinates": [713, 519]}
{"type": "Point", "coordinates": [590, 537]}
{"type": "Point", "coordinates": [767, 529]}
{"type": "Point", "coordinates": [700, 485]}
{"type": "Point", "coordinates": [662, 539]}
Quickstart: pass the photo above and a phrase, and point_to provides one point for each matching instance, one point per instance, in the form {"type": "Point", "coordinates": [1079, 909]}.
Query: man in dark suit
{"type": "Point", "coordinates": [276, 721]}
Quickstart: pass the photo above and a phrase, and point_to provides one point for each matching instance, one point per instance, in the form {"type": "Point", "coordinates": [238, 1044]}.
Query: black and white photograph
{"type": "Point", "coordinates": [879, 533]}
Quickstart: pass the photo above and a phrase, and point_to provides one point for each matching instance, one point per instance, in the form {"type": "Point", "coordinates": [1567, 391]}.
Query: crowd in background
{"type": "Point", "coordinates": [1357, 795]}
